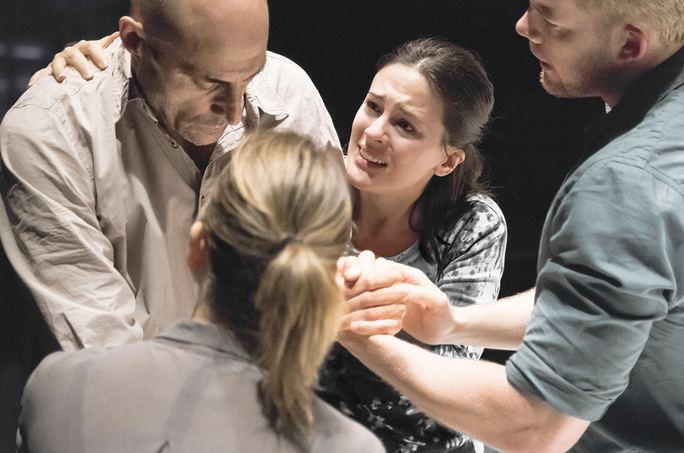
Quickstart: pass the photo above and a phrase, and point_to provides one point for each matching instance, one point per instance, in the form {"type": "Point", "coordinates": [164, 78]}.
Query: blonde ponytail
{"type": "Point", "coordinates": [299, 303]}
{"type": "Point", "coordinates": [280, 214]}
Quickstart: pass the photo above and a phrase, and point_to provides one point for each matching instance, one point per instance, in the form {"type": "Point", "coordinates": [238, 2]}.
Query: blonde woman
{"type": "Point", "coordinates": [239, 376]}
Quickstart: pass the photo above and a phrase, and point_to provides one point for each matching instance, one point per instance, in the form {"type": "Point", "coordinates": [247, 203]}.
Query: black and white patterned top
{"type": "Point", "coordinates": [473, 276]}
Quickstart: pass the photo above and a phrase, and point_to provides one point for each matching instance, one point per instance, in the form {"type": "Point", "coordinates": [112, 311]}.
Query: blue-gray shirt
{"type": "Point", "coordinates": [606, 338]}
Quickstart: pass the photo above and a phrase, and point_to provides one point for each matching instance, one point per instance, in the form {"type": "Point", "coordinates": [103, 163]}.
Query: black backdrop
{"type": "Point", "coordinates": [534, 139]}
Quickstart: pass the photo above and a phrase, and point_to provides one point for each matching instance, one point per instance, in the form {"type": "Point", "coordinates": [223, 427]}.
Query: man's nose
{"type": "Point", "coordinates": [228, 102]}
{"type": "Point", "coordinates": [524, 29]}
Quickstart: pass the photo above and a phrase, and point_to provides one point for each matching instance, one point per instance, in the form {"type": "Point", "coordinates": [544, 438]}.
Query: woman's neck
{"type": "Point", "coordinates": [382, 225]}
{"type": "Point", "coordinates": [203, 313]}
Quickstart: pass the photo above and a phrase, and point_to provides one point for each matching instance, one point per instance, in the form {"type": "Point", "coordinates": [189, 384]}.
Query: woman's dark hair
{"type": "Point", "coordinates": [458, 78]}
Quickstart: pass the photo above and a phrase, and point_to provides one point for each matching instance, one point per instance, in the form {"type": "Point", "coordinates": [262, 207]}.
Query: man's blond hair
{"type": "Point", "coordinates": [665, 16]}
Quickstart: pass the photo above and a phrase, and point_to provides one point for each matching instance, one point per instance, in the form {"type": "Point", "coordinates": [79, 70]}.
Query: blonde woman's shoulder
{"type": "Point", "coordinates": [336, 433]}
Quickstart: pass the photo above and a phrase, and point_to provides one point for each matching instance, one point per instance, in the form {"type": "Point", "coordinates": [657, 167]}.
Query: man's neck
{"type": "Point", "coordinates": [199, 154]}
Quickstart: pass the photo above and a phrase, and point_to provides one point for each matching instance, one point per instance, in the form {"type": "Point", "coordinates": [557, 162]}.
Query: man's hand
{"type": "Point", "coordinates": [79, 56]}
{"type": "Point", "coordinates": [384, 297]}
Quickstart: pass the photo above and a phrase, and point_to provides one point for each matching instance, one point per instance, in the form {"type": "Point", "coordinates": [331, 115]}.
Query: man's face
{"type": "Point", "coordinates": [195, 85]}
{"type": "Point", "coordinates": [573, 49]}
{"type": "Point", "coordinates": [196, 95]}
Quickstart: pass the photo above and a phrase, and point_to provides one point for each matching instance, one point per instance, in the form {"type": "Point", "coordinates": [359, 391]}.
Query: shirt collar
{"type": "Point", "coordinates": [121, 77]}
{"type": "Point", "coordinates": [189, 333]}
{"type": "Point", "coordinates": [262, 101]}
{"type": "Point", "coordinates": [645, 93]}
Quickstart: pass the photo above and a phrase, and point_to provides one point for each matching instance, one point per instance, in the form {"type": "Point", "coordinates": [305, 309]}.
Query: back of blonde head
{"type": "Point", "coordinates": [665, 16]}
{"type": "Point", "coordinates": [282, 208]}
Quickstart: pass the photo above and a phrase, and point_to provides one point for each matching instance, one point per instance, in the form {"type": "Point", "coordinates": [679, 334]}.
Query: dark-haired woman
{"type": "Point", "coordinates": [415, 168]}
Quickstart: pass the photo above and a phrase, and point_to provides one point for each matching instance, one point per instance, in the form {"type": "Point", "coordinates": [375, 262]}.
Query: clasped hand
{"type": "Point", "coordinates": [384, 297]}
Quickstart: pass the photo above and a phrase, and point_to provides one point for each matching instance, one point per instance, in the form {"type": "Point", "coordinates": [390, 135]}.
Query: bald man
{"type": "Point", "coordinates": [101, 180]}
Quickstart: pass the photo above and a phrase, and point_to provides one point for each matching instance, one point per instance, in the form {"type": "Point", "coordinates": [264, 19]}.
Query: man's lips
{"type": "Point", "coordinates": [543, 63]}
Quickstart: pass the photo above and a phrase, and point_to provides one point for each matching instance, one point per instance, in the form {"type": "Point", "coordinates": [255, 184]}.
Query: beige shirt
{"type": "Point", "coordinates": [99, 199]}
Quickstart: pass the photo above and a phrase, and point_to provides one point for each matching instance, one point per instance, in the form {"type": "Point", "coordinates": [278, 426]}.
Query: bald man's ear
{"type": "Point", "coordinates": [132, 34]}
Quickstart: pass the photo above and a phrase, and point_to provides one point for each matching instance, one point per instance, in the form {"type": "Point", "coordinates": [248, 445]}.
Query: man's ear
{"type": "Point", "coordinates": [635, 45]}
{"type": "Point", "coordinates": [132, 34]}
{"type": "Point", "coordinates": [198, 256]}
{"type": "Point", "coordinates": [456, 156]}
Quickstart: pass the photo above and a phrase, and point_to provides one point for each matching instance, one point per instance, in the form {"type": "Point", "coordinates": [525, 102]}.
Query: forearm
{"type": "Point", "coordinates": [470, 396]}
{"type": "Point", "coordinates": [499, 325]}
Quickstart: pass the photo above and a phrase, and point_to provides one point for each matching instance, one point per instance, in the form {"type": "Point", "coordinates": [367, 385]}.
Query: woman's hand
{"type": "Point", "coordinates": [78, 56]}
{"type": "Point", "coordinates": [368, 311]}
{"type": "Point", "coordinates": [383, 297]}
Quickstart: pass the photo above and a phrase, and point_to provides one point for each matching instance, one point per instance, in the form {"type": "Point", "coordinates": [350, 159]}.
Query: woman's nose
{"type": "Point", "coordinates": [376, 130]}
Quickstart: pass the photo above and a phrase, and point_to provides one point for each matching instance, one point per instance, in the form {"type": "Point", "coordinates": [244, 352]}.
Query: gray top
{"type": "Point", "coordinates": [606, 338]}
{"type": "Point", "coordinates": [191, 389]}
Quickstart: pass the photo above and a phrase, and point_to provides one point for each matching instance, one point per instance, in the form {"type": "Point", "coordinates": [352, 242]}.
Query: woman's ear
{"type": "Point", "coordinates": [198, 256]}
{"type": "Point", "coordinates": [132, 34]}
{"type": "Point", "coordinates": [455, 157]}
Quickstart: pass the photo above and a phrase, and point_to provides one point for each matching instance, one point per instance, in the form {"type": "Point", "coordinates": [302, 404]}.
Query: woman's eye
{"type": "Point", "coordinates": [405, 125]}
{"type": "Point", "coordinates": [372, 106]}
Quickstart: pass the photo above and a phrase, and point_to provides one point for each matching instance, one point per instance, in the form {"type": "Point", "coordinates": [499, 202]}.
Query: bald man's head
{"type": "Point", "coordinates": [193, 60]}
{"type": "Point", "coordinates": [196, 22]}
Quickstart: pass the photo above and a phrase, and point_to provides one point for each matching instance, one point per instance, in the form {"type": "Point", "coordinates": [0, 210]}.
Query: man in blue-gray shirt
{"type": "Point", "coordinates": [601, 365]}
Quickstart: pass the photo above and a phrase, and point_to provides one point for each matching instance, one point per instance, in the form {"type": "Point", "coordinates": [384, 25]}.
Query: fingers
{"type": "Point", "coordinates": [107, 40]}
{"type": "Point", "coordinates": [79, 56]}
{"type": "Point", "coordinates": [362, 275]}
{"type": "Point", "coordinates": [409, 274]}
{"type": "Point", "coordinates": [385, 320]}
{"type": "Point", "coordinates": [39, 75]}
{"type": "Point", "coordinates": [380, 327]}
{"type": "Point", "coordinates": [377, 312]}
{"type": "Point", "coordinates": [348, 270]}
{"type": "Point", "coordinates": [95, 50]}
{"type": "Point", "coordinates": [387, 295]}
{"type": "Point", "coordinates": [358, 266]}
{"type": "Point", "coordinates": [352, 268]}
{"type": "Point", "coordinates": [70, 56]}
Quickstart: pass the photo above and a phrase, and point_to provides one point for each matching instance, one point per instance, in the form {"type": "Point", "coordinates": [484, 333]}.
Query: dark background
{"type": "Point", "coordinates": [534, 139]}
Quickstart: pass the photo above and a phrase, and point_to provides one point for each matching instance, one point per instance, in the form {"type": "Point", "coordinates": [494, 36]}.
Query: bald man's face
{"type": "Point", "coordinates": [196, 86]}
